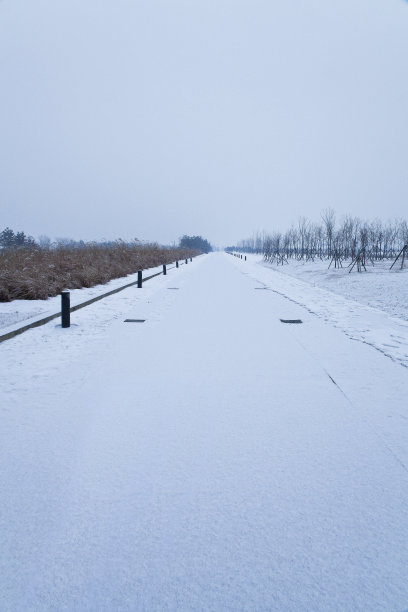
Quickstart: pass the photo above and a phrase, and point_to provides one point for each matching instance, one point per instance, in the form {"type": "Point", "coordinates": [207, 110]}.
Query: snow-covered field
{"type": "Point", "coordinates": [20, 312]}
{"type": "Point", "coordinates": [378, 287]}
{"type": "Point", "coordinates": [371, 306]}
{"type": "Point", "coordinates": [211, 458]}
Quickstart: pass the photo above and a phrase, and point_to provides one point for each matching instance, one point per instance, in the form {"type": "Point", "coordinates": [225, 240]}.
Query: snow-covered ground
{"type": "Point", "coordinates": [378, 287]}
{"type": "Point", "coordinates": [211, 458]}
{"type": "Point", "coordinates": [20, 312]}
{"type": "Point", "coordinates": [371, 307]}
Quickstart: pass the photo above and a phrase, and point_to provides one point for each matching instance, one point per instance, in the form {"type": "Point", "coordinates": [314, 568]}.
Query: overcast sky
{"type": "Point", "coordinates": [156, 118]}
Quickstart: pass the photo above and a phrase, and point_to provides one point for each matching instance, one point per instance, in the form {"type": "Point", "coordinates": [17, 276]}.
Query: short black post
{"type": "Point", "coordinates": [191, 259]}
{"type": "Point", "coordinates": [65, 308]}
{"type": "Point", "coordinates": [186, 261]}
{"type": "Point", "coordinates": [177, 264]}
{"type": "Point", "coordinates": [139, 279]}
{"type": "Point", "coordinates": [164, 269]}
{"type": "Point", "coordinates": [245, 257]}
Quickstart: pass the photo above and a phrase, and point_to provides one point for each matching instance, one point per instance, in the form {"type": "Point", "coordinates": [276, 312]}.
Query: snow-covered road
{"type": "Point", "coordinates": [211, 458]}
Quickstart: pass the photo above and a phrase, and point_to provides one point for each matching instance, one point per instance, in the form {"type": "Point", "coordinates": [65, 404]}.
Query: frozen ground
{"type": "Point", "coordinates": [378, 287]}
{"type": "Point", "coordinates": [211, 458]}
{"type": "Point", "coordinates": [369, 307]}
{"type": "Point", "coordinates": [19, 312]}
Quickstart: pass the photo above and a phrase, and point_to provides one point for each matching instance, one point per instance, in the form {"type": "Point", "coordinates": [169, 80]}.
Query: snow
{"type": "Point", "coordinates": [378, 287]}
{"type": "Point", "coordinates": [327, 294]}
{"type": "Point", "coordinates": [211, 458]}
{"type": "Point", "coordinates": [18, 311]}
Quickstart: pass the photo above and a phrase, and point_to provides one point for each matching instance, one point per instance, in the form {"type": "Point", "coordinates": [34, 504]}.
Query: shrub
{"type": "Point", "coordinates": [38, 273]}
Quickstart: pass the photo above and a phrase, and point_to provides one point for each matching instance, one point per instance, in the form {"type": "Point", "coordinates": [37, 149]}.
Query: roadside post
{"type": "Point", "coordinates": [65, 308]}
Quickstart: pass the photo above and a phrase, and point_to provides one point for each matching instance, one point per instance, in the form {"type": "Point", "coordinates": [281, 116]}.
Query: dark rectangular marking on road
{"type": "Point", "coordinates": [176, 288]}
{"type": "Point", "coordinates": [134, 320]}
{"type": "Point", "coordinates": [291, 321]}
{"type": "Point", "coordinates": [261, 288]}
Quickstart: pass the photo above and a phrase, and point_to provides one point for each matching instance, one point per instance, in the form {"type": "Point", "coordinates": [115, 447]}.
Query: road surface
{"type": "Point", "coordinates": [210, 458]}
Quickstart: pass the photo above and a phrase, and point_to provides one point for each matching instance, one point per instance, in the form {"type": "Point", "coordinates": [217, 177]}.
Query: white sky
{"type": "Point", "coordinates": [155, 118]}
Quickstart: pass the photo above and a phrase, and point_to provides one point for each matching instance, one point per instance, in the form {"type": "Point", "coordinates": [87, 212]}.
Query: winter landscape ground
{"type": "Point", "coordinates": [212, 457]}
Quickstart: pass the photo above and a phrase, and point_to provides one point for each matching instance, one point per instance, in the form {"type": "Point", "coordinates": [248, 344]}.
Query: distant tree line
{"type": "Point", "coordinates": [195, 242]}
{"type": "Point", "coordinates": [10, 239]}
{"type": "Point", "coordinates": [351, 238]}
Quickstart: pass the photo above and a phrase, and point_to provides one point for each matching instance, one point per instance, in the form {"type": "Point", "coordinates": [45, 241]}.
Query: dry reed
{"type": "Point", "coordinates": [36, 273]}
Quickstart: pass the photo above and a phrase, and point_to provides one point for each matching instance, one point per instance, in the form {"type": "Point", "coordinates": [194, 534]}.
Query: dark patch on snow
{"type": "Point", "coordinates": [291, 321]}
{"type": "Point", "coordinates": [134, 320]}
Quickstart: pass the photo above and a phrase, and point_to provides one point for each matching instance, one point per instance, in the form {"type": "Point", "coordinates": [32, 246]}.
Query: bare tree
{"type": "Point", "coordinates": [353, 240]}
{"type": "Point", "coordinates": [329, 220]}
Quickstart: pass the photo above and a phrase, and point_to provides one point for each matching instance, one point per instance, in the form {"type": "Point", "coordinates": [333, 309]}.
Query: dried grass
{"type": "Point", "coordinates": [36, 273]}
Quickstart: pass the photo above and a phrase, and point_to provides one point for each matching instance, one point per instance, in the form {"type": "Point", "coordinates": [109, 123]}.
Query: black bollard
{"type": "Point", "coordinates": [191, 259]}
{"type": "Point", "coordinates": [65, 308]}
{"type": "Point", "coordinates": [186, 261]}
{"type": "Point", "coordinates": [177, 264]}
{"type": "Point", "coordinates": [139, 279]}
{"type": "Point", "coordinates": [164, 269]}
{"type": "Point", "coordinates": [245, 257]}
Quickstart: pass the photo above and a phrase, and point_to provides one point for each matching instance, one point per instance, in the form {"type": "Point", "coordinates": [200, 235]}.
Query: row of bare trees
{"type": "Point", "coordinates": [347, 239]}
